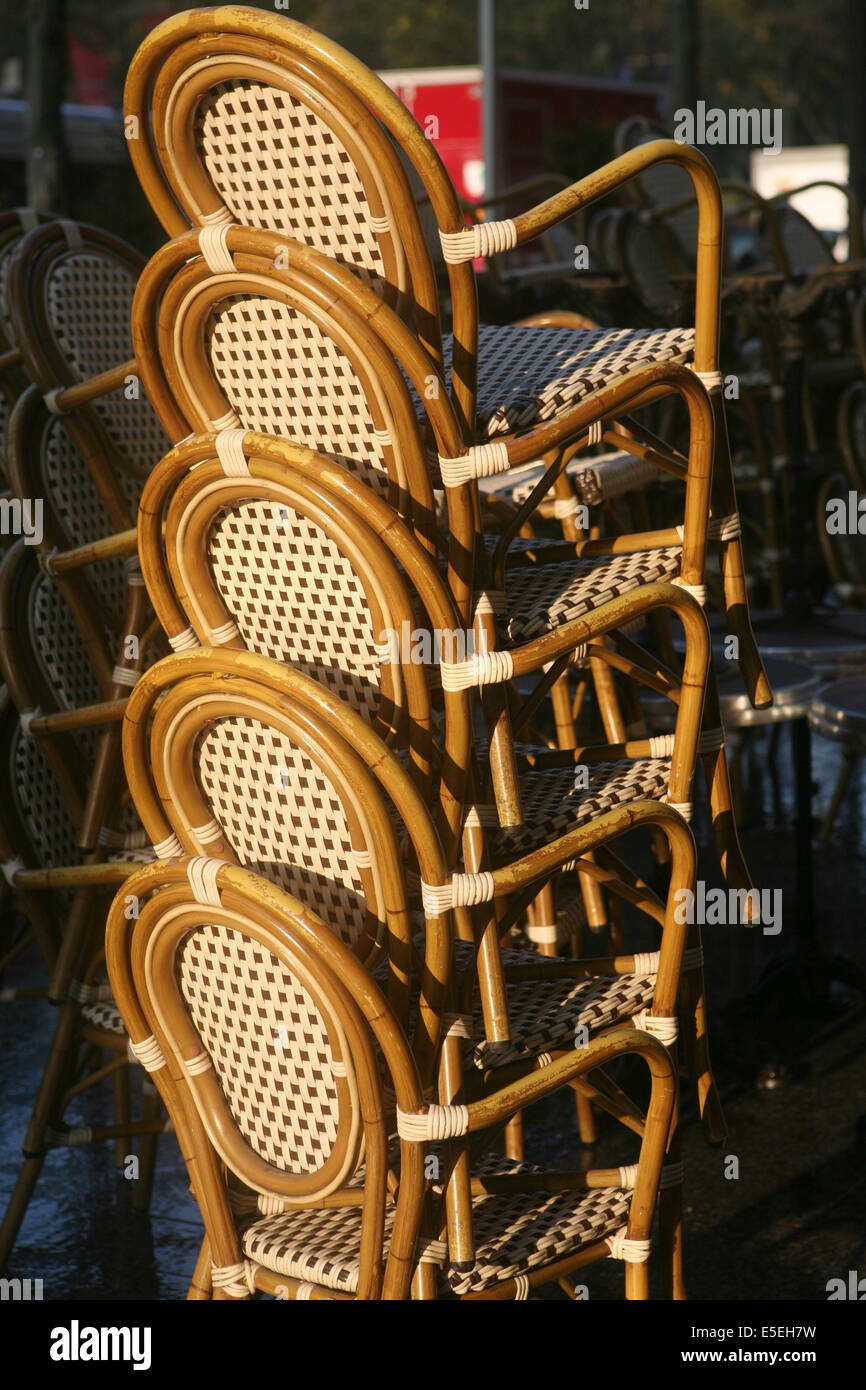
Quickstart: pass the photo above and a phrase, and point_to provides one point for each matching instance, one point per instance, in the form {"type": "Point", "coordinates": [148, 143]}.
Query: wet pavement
{"type": "Point", "coordinates": [774, 1213]}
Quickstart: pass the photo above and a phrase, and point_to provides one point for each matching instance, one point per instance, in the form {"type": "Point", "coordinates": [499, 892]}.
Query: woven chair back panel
{"type": "Point", "coordinates": [277, 165]}
{"type": "Point", "coordinates": [283, 817]}
{"type": "Point", "coordinates": [295, 597]}
{"type": "Point", "coordinates": [76, 500]}
{"type": "Point", "coordinates": [268, 1043]}
{"type": "Point", "coordinates": [40, 805]}
{"type": "Point", "coordinates": [89, 304]}
{"type": "Point", "coordinates": [6, 255]}
{"type": "Point", "coordinates": [63, 657]}
{"type": "Point", "coordinates": [284, 376]}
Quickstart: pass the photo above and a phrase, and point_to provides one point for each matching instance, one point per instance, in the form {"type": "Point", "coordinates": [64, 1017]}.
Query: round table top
{"type": "Point", "coordinates": [839, 710]}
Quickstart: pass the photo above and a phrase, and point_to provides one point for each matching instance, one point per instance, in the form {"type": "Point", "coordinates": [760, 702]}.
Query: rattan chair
{"type": "Point", "coordinates": [277, 1057]}
{"type": "Point", "coordinates": [295, 560]}
{"type": "Point", "coordinates": [50, 755]}
{"type": "Point", "coordinates": [300, 809]}
{"type": "Point", "coordinates": [213, 355]}
{"type": "Point", "coordinates": [309, 118]}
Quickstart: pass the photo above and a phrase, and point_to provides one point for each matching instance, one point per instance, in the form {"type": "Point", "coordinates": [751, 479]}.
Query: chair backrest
{"type": "Point", "coordinates": [232, 755]}
{"type": "Point", "coordinates": [265, 349]}
{"type": "Point", "coordinates": [663, 186]}
{"type": "Point", "coordinates": [237, 115]}
{"type": "Point", "coordinates": [266, 792]}
{"type": "Point", "coordinates": [14, 226]}
{"type": "Point", "coordinates": [70, 295]}
{"type": "Point", "coordinates": [258, 1029]}
{"type": "Point", "coordinates": [46, 668]}
{"type": "Point", "coordinates": [46, 463]}
{"type": "Point", "coordinates": [299, 562]}
{"type": "Point", "coordinates": [638, 254]}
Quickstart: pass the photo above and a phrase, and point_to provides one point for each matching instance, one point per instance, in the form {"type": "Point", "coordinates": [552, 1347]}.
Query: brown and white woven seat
{"type": "Point", "coordinates": [528, 375]}
{"type": "Point", "coordinates": [515, 1234]}
{"type": "Point", "coordinates": [541, 598]}
{"type": "Point", "coordinates": [556, 799]}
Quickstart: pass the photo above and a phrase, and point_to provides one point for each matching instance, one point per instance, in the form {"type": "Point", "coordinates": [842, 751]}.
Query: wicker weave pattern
{"type": "Point", "coordinates": [552, 805]}
{"type": "Point", "coordinates": [283, 376]}
{"type": "Point", "coordinates": [80, 509]}
{"type": "Point", "coordinates": [295, 597]}
{"type": "Point", "coordinates": [277, 165]}
{"type": "Point", "coordinates": [514, 1233]}
{"type": "Point", "coordinates": [295, 834]}
{"type": "Point", "coordinates": [528, 375]}
{"type": "Point", "coordinates": [89, 303]}
{"type": "Point", "coordinates": [546, 1014]}
{"type": "Point", "coordinates": [45, 818]}
{"type": "Point", "coordinates": [104, 1015]}
{"type": "Point", "coordinates": [59, 648]}
{"type": "Point", "coordinates": [544, 596]}
{"type": "Point", "coordinates": [6, 255]}
{"type": "Point", "coordinates": [245, 1004]}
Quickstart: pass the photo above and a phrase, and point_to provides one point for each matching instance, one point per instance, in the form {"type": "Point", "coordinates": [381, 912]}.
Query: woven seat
{"type": "Point", "coordinates": [553, 803]}
{"type": "Point", "coordinates": [548, 1013]}
{"type": "Point", "coordinates": [515, 1233]}
{"type": "Point", "coordinates": [594, 480]}
{"type": "Point", "coordinates": [541, 598]}
{"type": "Point", "coordinates": [527, 375]}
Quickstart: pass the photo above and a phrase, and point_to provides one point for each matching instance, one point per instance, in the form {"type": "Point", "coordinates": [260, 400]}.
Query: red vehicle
{"type": "Point", "coordinates": [446, 102]}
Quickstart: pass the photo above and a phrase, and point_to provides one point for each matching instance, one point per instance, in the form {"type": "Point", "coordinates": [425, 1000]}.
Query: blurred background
{"type": "Point", "coordinates": [620, 57]}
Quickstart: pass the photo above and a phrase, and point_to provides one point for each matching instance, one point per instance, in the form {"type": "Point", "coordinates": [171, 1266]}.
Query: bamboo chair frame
{"type": "Point", "coordinates": [166, 81]}
{"type": "Point", "coordinates": [187, 598]}
{"type": "Point", "coordinates": [177, 374]}
{"type": "Point", "coordinates": [14, 227]}
{"type": "Point", "coordinates": [141, 966]}
{"type": "Point", "coordinates": [185, 496]}
{"type": "Point", "coordinates": [171, 806]}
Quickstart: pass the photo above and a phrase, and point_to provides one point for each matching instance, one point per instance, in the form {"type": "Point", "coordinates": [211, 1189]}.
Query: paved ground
{"type": "Point", "coordinates": [790, 1058]}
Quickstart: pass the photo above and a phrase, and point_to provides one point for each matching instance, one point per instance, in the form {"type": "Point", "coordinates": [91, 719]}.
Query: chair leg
{"type": "Point", "coordinates": [55, 1079]}
{"type": "Point", "coordinates": [693, 1017]}
{"type": "Point", "coordinates": [514, 1138]}
{"type": "Point", "coordinates": [147, 1148]}
{"type": "Point", "coordinates": [200, 1286]}
{"type": "Point", "coordinates": [28, 1176]}
{"type": "Point", "coordinates": [671, 1228]}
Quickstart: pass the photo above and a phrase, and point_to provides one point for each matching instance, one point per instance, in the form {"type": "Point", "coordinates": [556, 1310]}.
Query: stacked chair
{"type": "Point", "coordinates": [375, 814]}
{"type": "Point", "coordinates": [75, 631]}
{"type": "Point", "coordinates": [327, 974]}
